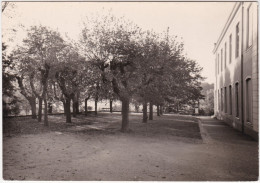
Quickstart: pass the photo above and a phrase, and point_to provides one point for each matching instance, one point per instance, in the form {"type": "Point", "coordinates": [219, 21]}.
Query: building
{"type": "Point", "coordinates": [236, 69]}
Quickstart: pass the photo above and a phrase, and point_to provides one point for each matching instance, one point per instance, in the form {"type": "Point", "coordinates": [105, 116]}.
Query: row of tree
{"type": "Point", "coordinates": [114, 59]}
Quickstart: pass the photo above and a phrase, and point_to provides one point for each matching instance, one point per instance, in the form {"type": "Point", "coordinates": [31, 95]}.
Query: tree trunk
{"type": "Point", "coordinates": [33, 107]}
{"type": "Point", "coordinates": [111, 103]}
{"type": "Point", "coordinates": [86, 107]}
{"type": "Point", "coordinates": [158, 110]}
{"type": "Point", "coordinates": [44, 80]}
{"type": "Point", "coordinates": [125, 114]}
{"type": "Point", "coordinates": [145, 112]}
{"type": "Point", "coordinates": [31, 98]}
{"type": "Point", "coordinates": [136, 108]}
{"type": "Point", "coordinates": [96, 107]}
{"type": "Point", "coordinates": [77, 103]}
{"type": "Point", "coordinates": [49, 108]}
{"type": "Point", "coordinates": [161, 110]}
{"type": "Point", "coordinates": [40, 110]}
{"type": "Point", "coordinates": [151, 111]}
{"type": "Point", "coordinates": [46, 123]}
{"type": "Point", "coordinates": [74, 107]}
{"type": "Point", "coordinates": [68, 114]}
{"type": "Point", "coordinates": [77, 107]}
{"type": "Point", "coordinates": [64, 107]}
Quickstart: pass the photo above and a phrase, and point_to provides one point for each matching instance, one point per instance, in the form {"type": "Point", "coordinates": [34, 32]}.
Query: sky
{"type": "Point", "coordinates": [199, 24]}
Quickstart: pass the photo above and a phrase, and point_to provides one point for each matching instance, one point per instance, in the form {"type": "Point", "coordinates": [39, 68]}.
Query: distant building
{"type": "Point", "coordinates": [236, 69]}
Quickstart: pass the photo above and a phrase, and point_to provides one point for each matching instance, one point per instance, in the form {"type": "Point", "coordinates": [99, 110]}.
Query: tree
{"type": "Point", "coordinates": [10, 100]}
{"type": "Point", "coordinates": [27, 93]}
{"type": "Point", "coordinates": [86, 104]}
{"type": "Point", "coordinates": [144, 65]}
{"type": "Point", "coordinates": [4, 5]}
{"type": "Point", "coordinates": [40, 48]}
{"type": "Point", "coordinates": [72, 74]}
{"type": "Point", "coordinates": [55, 93]}
{"type": "Point", "coordinates": [113, 44]}
{"type": "Point", "coordinates": [147, 71]}
{"type": "Point", "coordinates": [76, 104]}
{"type": "Point", "coordinates": [28, 81]}
{"type": "Point", "coordinates": [160, 61]}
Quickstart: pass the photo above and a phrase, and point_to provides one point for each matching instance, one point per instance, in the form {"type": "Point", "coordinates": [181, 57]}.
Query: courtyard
{"type": "Point", "coordinates": [169, 148]}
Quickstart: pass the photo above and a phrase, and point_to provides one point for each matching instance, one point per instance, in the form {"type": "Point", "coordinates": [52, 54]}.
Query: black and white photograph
{"type": "Point", "coordinates": [130, 91]}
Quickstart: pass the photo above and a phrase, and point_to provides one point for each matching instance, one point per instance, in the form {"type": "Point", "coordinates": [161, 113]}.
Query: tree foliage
{"type": "Point", "coordinates": [10, 100]}
{"type": "Point", "coordinates": [114, 59]}
{"type": "Point", "coordinates": [36, 59]}
{"type": "Point", "coordinates": [142, 64]}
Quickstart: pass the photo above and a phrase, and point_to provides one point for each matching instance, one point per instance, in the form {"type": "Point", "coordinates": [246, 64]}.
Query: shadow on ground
{"type": "Point", "coordinates": [106, 123]}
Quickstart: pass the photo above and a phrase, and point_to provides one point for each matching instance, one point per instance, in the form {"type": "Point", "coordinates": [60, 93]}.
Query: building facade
{"type": "Point", "coordinates": [236, 69]}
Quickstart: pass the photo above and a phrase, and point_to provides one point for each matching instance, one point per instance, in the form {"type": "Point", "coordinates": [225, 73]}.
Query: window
{"type": "Point", "coordinates": [237, 40]}
{"type": "Point", "coordinates": [216, 61]}
{"type": "Point", "coordinates": [249, 26]}
{"type": "Point", "coordinates": [230, 48]}
{"type": "Point", "coordinates": [215, 99]}
{"type": "Point", "coordinates": [248, 99]}
{"type": "Point", "coordinates": [218, 64]}
{"type": "Point", "coordinates": [225, 99]}
{"type": "Point", "coordinates": [230, 99]}
{"type": "Point", "coordinates": [218, 101]}
{"type": "Point", "coordinates": [221, 99]}
{"type": "Point", "coordinates": [237, 101]}
{"type": "Point", "coordinates": [225, 55]}
{"type": "Point", "coordinates": [221, 60]}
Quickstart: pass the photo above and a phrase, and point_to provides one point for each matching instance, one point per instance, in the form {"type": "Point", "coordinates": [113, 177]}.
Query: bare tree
{"type": "Point", "coordinates": [4, 5]}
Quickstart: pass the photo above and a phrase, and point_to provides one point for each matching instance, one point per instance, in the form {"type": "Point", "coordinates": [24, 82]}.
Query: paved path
{"type": "Point", "coordinates": [216, 131]}
{"type": "Point", "coordinates": [238, 150]}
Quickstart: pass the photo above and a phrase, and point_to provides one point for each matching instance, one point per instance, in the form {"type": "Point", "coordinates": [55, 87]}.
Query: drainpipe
{"type": "Point", "coordinates": [242, 75]}
{"type": "Point", "coordinates": [216, 85]}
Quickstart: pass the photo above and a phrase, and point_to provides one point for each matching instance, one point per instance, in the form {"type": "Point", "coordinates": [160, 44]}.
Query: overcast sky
{"type": "Point", "coordinates": [198, 23]}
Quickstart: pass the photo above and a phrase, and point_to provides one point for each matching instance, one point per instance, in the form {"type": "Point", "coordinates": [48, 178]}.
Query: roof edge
{"type": "Point", "coordinates": [226, 26]}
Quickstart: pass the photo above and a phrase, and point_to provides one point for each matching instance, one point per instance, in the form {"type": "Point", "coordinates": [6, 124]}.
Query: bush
{"type": "Point", "coordinates": [11, 108]}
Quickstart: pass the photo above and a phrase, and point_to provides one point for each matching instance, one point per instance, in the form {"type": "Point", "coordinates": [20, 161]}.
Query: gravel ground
{"type": "Point", "coordinates": [169, 148]}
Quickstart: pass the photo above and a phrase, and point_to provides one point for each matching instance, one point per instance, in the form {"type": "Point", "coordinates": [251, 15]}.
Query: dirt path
{"type": "Point", "coordinates": [151, 152]}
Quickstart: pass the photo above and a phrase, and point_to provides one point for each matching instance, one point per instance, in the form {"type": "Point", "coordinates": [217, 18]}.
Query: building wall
{"type": "Point", "coordinates": [255, 66]}
{"type": "Point", "coordinates": [228, 75]}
